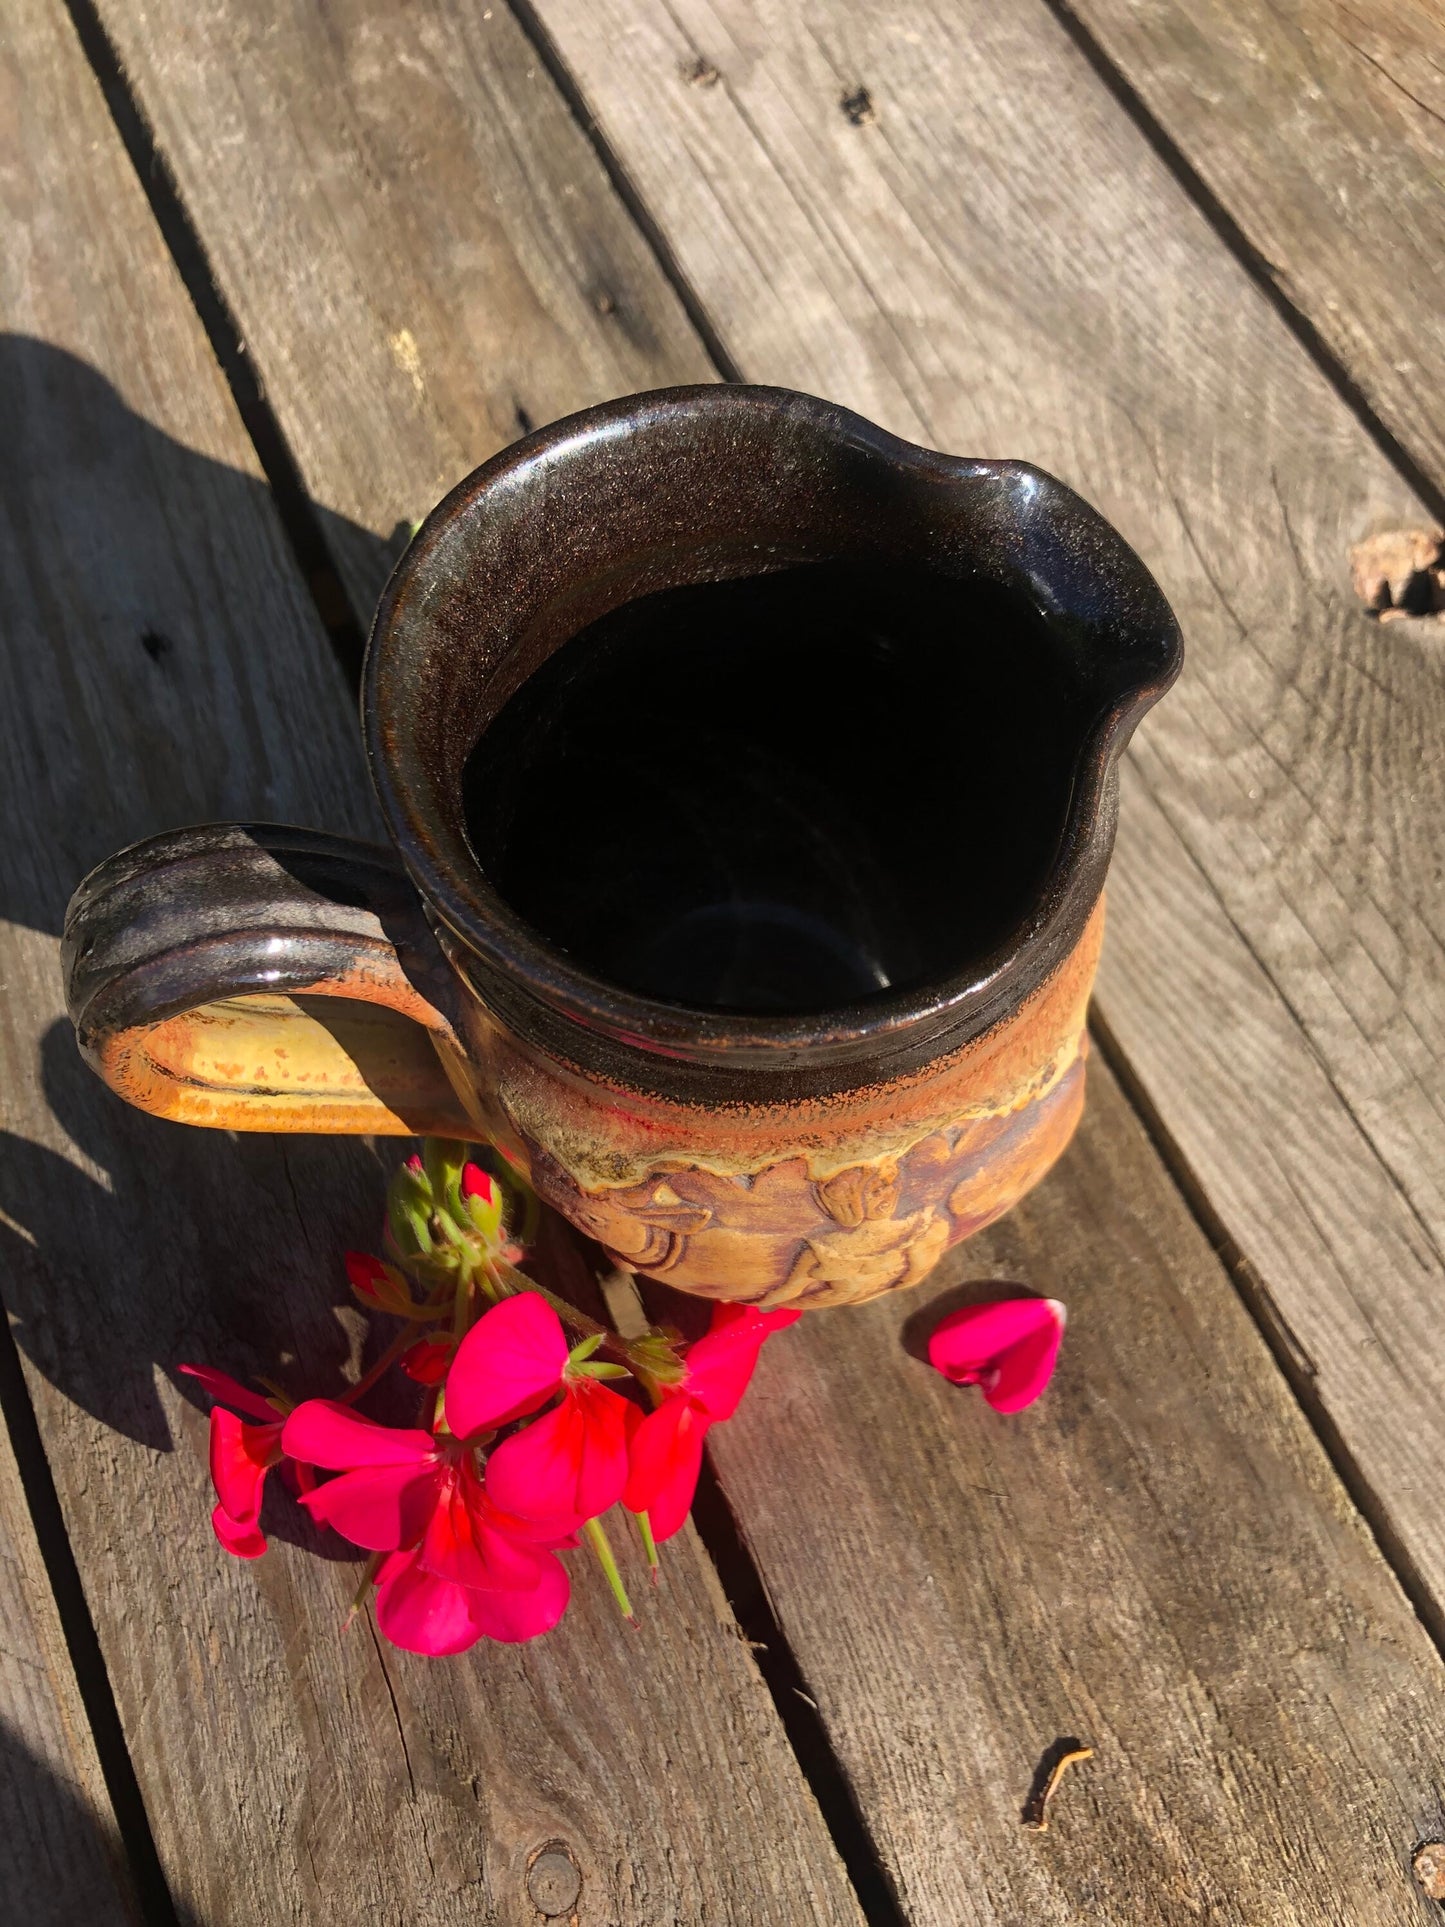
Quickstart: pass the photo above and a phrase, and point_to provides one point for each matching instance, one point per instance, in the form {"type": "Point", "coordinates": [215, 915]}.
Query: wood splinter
{"type": "Point", "coordinates": [1052, 1768]}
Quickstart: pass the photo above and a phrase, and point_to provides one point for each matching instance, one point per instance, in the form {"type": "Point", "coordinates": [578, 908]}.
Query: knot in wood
{"type": "Point", "coordinates": [554, 1880]}
{"type": "Point", "coordinates": [1429, 1865]}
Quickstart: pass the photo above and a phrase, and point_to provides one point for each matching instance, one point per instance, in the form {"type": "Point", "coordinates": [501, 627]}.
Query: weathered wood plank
{"type": "Point", "coordinates": [939, 1745]}
{"type": "Point", "coordinates": [164, 665]}
{"type": "Point", "coordinates": [1298, 761]}
{"type": "Point", "coordinates": [992, 259]}
{"type": "Point", "coordinates": [1156, 1558]}
{"type": "Point", "coordinates": [61, 1856]}
{"type": "Point", "coordinates": [446, 266]}
{"type": "Point", "coordinates": [1318, 125]}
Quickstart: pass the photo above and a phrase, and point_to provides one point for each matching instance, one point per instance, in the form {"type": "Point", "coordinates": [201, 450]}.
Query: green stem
{"type": "Point", "coordinates": [600, 1544]}
{"type": "Point", "coordinates": [453, 1232]}
{"type": "Point", "coordinates": [368, 1576]}
{"type": "Point", "coordinates": [649, 1546]}
{"type": "Point", "coordinates": [462, 1302]}
{"type": "Point", "coordinates": [424, 1314]}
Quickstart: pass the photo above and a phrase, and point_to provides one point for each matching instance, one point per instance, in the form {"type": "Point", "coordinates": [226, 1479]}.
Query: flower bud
{"type": "Point", "coordinates": [428, 1360]}
{"type": "Point", "coordinates": [408, 1209]}
{"type": "Point", "coordinates": [379, 1286]}
{"type": "Point", "coordinates": [364, 1273]}
{"type": "Point", "coordinates": [485, 1203]}
{"type": "Point", "coordinates": [442, 1160]}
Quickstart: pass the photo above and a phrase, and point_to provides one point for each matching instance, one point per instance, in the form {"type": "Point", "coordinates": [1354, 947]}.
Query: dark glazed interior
{"type": "Point", "coordinates": [663, 492]}
{"type": "Point", "coordinates": [784, 793]}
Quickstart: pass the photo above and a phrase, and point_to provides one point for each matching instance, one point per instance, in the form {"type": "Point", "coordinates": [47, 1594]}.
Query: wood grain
{"type": "Point", "coordinates": [61, 1857]}
{"type": "Point", "coordinates": [1320, 126]}
{"type": "Point", "coordinates": [1155, 1559]}
{"type": "Point", "coordinates": [996, 262]}
{"type": "Point", "coordinates": [164, 665]}
{"type": "Point", "coordinates": [1159, 1557]}
{"type": "Point", "coordinates": [423, 255]}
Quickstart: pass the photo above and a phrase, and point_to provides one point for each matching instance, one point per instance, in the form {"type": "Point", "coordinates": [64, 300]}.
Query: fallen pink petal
{"type": "Point", "coordinates": [1008, 1348]}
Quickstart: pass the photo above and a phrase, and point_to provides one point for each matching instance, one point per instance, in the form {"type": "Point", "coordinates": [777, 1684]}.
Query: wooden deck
{"type": "Point", "coordinates": [275, 273]}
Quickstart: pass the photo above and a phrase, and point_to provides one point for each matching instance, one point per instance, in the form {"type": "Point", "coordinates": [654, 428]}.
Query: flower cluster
{"type": "Point", "coordinates": [534, 1420]}
{"type": "Point", "coordinates": [524, 1437]}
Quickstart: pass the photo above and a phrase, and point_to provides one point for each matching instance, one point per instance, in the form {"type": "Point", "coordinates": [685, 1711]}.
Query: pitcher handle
{"type": "Point", "coordinates": [254, 977]}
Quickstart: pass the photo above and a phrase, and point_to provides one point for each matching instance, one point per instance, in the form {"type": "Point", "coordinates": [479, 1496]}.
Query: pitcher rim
{"type": "Point", "coordinates": [534, 985]}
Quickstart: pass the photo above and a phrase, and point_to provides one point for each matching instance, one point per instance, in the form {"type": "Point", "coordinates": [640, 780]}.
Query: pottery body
{"type": "Point", "coordinates": [816, 1201]}
{"type": "Point", "coordinates": [252, 977]}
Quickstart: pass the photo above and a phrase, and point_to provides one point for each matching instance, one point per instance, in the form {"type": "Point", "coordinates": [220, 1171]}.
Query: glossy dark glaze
{"type": "Point", "coordinates": [697, 484]}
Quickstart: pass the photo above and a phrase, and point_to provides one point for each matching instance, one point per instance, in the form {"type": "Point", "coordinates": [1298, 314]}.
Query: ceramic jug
{"type": "Point", "coordinates": [876, 703]}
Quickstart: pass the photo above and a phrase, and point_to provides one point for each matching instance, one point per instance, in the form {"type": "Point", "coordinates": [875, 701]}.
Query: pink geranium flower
{"type": "Point", "coordinates": [399, 1487]}
{"type": "Point", "coordinates": [569, 1464]}
{"type": "Point", "coordinates": [509, 1364]}
{"type": "Point", "coordinates": [666, 1454]}
{"type": "Point", "coordinates": [420, 1498]}
{"type": "Point", "coordinates": [1008, 1348]}
{"type": "Point", "coordinates": [241, 1456]}
{"type": "Point", "coordinates": [425, 1614]}
{"type": "Point", "coordinates": [464, 1566]}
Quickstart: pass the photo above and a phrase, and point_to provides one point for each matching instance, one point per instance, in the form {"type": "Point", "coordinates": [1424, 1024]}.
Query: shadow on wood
{"type": "Point", "coordinates": [252, 1304]}
{"type": "Point", "coordinates": [98, 556]}
{"type": "Point", "coordinates": [56, 1855]}
{"type": "Point", "coordinates": [112, 575]}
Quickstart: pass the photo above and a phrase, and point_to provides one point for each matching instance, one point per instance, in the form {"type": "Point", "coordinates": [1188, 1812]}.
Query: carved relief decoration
{"type": "Point", "coordinates": [781, 1236]}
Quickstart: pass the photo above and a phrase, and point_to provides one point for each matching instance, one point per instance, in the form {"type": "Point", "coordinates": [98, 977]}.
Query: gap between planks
{"type": "Point", "coordinates": [1251, 260]}
{"type": "Point", "coordinates": [105, 1874]}
{"type": "Point", "coordinates": [1293, 1360]}
{"type": "Point", "coordinates": [298, 519]}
